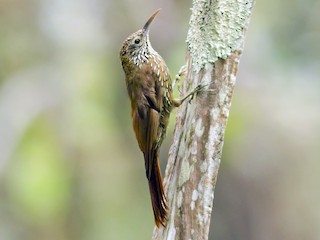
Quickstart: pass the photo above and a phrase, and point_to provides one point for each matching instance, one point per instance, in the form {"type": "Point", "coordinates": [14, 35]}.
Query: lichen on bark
{"type": "Point", "coordinates": [216, 29]}
{"type": "Point", "coordinates": [215, 41]}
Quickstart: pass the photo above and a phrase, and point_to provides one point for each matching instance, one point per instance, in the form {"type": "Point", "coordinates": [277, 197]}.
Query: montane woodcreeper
{"type": "Point", "coordinates": [150, 91]}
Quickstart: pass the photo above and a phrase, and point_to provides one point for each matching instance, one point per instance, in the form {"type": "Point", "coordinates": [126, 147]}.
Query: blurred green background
{"type": "Point", "coordinates": [70, 167]}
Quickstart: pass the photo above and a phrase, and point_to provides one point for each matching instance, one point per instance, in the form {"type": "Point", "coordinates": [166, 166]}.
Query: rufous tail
{"type": "Point", "coordinates": [158, 198]}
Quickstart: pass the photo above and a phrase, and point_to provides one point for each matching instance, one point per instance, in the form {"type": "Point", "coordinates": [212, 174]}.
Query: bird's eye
{"type": "Point", "coordinates": [137, 41]}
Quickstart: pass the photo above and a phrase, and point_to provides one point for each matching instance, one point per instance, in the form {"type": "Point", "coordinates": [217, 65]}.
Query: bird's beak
{"type": "Point", "coordinates": [146, 26]}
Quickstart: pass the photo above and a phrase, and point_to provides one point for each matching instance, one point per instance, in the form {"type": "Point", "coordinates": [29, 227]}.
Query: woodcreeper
{"type": "Point", "coordinates": [150, 91]}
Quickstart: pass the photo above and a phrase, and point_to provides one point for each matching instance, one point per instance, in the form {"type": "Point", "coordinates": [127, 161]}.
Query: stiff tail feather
{"type": "Point", "coordinates": [158, 198]}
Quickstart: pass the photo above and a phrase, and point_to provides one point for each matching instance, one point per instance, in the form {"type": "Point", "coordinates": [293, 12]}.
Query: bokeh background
{"type": "Point", "coordinates": [70, 167]}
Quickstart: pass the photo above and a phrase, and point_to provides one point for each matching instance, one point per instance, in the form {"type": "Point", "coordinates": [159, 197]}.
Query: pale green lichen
{"type": "Point", "coordinates": [216, 29]}
{"type": "Point", "coordinates": [179, 199]}
{"type": "Point", "coordinates": [194, 199]}
{"type": "Point", "coordinates": [185, 172]}
{"type": "Point", "coordinates": [204, 167]}
{"type": "Point", "coordinates": [199, 130]}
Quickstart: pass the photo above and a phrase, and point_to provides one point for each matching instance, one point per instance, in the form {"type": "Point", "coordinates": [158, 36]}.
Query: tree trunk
{"type": "Point", "coordinates": [215, 41]}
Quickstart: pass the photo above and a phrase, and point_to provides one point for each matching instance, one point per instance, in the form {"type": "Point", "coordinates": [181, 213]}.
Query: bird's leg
{"type": "Point", "coordinates": [199, 88]}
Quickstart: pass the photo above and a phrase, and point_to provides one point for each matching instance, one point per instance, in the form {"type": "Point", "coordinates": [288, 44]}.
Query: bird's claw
{"type": "Point", "coordinates": [181, 73]}
{"type": "Point", "coordinates": [191, 98]}
{"type": "Point", "coordinates": [200, 88]}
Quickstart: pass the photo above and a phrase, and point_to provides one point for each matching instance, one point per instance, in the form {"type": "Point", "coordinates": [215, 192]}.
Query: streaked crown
{"type": "Point", "coordinates": [137, 47]}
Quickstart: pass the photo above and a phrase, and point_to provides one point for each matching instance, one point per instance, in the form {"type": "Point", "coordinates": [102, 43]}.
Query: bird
{"type": "Point", "coordinates": [149, 87]}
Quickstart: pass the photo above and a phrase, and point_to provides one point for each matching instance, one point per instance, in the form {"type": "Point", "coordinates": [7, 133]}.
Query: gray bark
{"type": "Point", "coordinates": [215, 41]}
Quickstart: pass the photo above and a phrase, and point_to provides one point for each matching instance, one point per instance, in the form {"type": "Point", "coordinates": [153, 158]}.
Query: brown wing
{"type": "Point", "coordinates": [146, 93]}
{"type": "Point", "coordinates": [153, 94]}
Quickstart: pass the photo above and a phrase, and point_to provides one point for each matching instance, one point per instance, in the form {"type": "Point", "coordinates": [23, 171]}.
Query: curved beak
{"type": "Point", "coordinates": [146, 26]}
